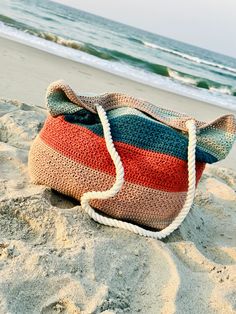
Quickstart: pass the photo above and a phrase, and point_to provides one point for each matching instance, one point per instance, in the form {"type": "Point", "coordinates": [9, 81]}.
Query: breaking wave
{"type": "Point", "coordinates": [189, 57]}
{"type": "Point", "coordinates": [202, 83]}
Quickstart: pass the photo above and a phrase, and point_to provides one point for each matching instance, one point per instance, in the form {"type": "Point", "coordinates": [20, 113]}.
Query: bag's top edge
{"type": "Point", "coordinates": [114, 100]}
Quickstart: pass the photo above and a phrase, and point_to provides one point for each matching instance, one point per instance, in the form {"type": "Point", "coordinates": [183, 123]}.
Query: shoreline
{"type": "Point", "coordinates": [26, 73]}
{"type": "Point", "coordinates": [156, 81]}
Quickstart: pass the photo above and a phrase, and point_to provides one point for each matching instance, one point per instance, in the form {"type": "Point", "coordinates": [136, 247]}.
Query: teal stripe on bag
{"type": "Point", "coordinates": [155, 136]}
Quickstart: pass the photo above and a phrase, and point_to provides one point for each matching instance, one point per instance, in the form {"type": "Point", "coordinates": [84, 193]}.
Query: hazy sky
{"type": "Point", "coordinates": [209, 24]}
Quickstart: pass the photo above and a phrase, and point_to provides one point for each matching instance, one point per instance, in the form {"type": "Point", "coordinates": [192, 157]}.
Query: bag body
{"type": "Point", "coordinates": [71, 156]}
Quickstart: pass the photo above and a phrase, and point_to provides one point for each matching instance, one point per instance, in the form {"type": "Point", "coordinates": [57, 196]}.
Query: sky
{"type": "Point", "coordinates": [209, 24]}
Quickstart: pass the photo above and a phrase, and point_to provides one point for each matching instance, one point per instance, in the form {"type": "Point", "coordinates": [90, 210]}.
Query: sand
{"type": "Point", "coordinates": [55, 259]}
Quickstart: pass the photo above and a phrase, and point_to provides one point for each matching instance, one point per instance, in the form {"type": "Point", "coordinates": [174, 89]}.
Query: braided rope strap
{"type": "Point", "coordinates": [86, 197]}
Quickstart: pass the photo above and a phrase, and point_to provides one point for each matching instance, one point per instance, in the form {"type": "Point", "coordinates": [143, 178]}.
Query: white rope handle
{"type": "Point", "coordinates": [86, 197]}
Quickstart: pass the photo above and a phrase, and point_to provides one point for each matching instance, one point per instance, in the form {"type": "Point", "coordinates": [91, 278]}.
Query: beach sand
{"type": "Point", "coordinates": [55, 259]}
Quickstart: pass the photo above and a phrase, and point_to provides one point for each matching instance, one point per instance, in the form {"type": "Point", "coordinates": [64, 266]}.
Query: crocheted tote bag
{"type": "Point", "coordinates": [132, 164]}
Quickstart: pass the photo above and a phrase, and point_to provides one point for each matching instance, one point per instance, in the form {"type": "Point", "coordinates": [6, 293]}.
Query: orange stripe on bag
{"type": "Point", "coordinates": [141, 166]}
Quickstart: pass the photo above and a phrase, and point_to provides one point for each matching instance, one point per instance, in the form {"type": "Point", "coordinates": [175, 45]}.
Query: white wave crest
{"type": "Point", "coordinates": [183, 79]}
{"type": "Point", "coordinates": [191, 58]}
{"type": "Point", "coordinates": [222, 90]}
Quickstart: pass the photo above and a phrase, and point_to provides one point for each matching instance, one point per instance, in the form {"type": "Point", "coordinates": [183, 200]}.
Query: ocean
{"type": "Point", "coordinates": [121, 49]}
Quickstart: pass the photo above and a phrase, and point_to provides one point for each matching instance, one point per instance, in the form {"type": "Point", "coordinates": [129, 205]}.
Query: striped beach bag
{"type": "Point", "coordinates": [131, 164]}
